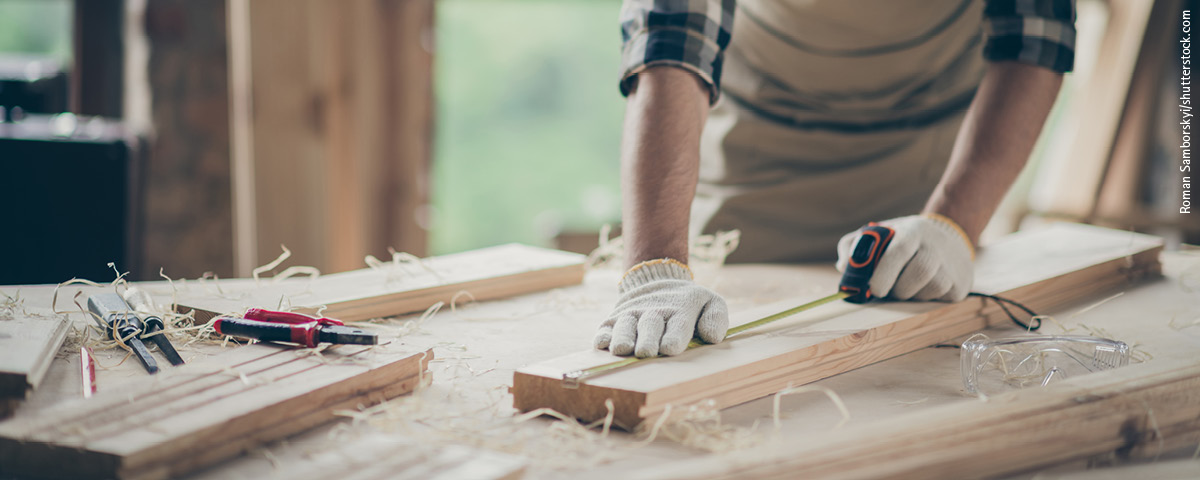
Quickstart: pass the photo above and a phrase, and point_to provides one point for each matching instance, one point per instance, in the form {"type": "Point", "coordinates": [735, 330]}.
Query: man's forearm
{"type": "Point", "coordinates": [660, 157]}
{"type": "Point", "coordinates": [995, 141]}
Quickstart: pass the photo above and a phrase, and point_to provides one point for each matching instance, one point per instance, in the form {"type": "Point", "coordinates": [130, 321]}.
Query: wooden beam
{"type": "Point", "coordinates": [241, 138]}
{"type": "Point", "coordinates": [188, 226]}
{"type": "Point", "coordinates": [1069, 184]}
{"type": "Point", "coordinates": [186, 418]}
{"type": "Point", "coordinates": [1131, 412]}
{"type": "Point", "coordinates": [1124, 179]}
{"type": "Point", "coordinates": [1042, 269]}
{"type": "Point", "coordinates": [388, 290]}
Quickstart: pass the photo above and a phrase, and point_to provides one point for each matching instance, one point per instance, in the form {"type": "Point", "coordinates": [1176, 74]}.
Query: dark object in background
{"type": "Point", "coordinates": [65, 199]}
{"type": "Point", "coordinates": [36, 84]}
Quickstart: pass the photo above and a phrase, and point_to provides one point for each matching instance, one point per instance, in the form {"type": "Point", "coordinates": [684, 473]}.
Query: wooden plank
{"type": "Point", "coordinates": [1118, 194]}
{"type": "Point", "coordinates": [192, 416]}
{"type": "Point", "coordinates": [1131, 412]}
{"type": "Point", "coordinates": [380, 456]}
{"type": "Point", "coordinates": [487, 273]}
{"type": "Point", "coordinates": [29, 340]}
{"type": "Point", "coordinates": [1042, 269]}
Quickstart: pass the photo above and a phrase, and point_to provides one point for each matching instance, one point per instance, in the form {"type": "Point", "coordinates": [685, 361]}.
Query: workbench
{"type": "Point", "coordinates": [478, 346]}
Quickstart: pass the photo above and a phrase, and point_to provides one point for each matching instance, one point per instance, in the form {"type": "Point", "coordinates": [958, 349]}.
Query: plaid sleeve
{"type": "Point", "coordinates": [1036, 32]}
{"type": "Point", "coordinates": [690, 34]}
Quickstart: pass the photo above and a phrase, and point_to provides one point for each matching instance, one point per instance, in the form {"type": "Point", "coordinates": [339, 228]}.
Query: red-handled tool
{"type": "Point", "coordinates": [272, 326]}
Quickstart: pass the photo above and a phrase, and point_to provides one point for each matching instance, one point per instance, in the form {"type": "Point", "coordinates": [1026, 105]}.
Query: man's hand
{"type": "Point", "coordinates": [930, 258]}
{"type": "Point", "coordinates": [659, 311]}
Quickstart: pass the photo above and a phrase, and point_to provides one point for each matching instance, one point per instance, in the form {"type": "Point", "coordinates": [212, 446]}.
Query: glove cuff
{"type": "Point", "coordinates": [654, 270]}
{"type": "Point", "coordinates": [948, 222]}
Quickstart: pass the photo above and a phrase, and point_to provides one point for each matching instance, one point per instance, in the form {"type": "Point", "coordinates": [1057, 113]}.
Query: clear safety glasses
{"type": "Point", "coordinates": [991, 366]}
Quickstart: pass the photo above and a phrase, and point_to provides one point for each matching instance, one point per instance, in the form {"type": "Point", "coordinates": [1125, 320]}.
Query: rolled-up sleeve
{"type": "Point", "coordinates": [1035, 32]}
{"type": "Point", "coordinates": [689, 34]}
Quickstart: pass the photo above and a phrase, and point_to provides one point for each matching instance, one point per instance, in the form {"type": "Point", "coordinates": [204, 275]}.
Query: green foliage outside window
{"type": "Point", "coordinates": [527, 121]}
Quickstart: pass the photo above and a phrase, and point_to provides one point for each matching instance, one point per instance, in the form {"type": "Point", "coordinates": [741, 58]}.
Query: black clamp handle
{"type": "Point", "coordinates": [872, 241]}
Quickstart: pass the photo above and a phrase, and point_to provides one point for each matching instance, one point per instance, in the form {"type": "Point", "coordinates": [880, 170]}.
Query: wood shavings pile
{"type": "Point", "coordinates": [703, 250]}
{"type": "Point", "coordinates": [699, 426]}
{"type": "Point", "coordinates": [13, 306]}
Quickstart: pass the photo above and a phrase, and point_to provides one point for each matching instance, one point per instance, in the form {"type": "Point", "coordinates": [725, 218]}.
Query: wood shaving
{"type": "Point", "coordinates": [395, 269]}
{"type": "Point", "coordinates": [703, 250]}
{"type": "Point", "coordinates": [272, 264]}
{"type": "Point", "coordinates": [833, 396]}
{"type": "Point", "coordinates": [700, 426]}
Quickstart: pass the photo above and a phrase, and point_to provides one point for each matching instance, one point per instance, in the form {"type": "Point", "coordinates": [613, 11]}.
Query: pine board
{"type": "Point", "coordinates": [192, 416]}
{"type": "Point", "coordinates": [380, 456]}
{"type": "Point", "coordinates": [487, 273]}
{"type": "Point", "coordinates": [29, 340]}
{"type": "Point", "coordinates": [1043, 269]}
{"type": "Point", "coordinates": [1131, 412]}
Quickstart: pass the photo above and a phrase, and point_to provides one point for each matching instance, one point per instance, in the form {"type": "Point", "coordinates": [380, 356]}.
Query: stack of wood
{"type": "Point", "coordinates": [29, 341]}
{"type": "Point", "coordinates": [189, 417]}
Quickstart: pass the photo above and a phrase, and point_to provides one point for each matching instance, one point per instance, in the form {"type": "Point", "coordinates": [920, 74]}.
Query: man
{"type": "Point", "coordinates": [826, 114]}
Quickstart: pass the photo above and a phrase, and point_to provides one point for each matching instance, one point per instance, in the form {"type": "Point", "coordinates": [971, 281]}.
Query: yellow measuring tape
{"type": "Point", "coordinates": [575, 378]}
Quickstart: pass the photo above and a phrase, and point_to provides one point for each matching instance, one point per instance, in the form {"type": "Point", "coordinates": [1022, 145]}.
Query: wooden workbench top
{"type": "Point", "coordinates": [479, 346]}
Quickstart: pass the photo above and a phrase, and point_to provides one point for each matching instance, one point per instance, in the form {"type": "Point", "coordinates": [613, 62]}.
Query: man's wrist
{"type": "Point", "coordinates": [653, 270]}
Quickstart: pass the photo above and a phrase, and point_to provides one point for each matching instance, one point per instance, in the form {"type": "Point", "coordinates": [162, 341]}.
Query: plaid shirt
{"type": "Point", "coordinates": [693, 34]}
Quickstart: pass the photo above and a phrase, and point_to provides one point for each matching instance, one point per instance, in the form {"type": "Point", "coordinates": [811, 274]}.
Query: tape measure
{"type": "Point", "coordinates": [854, 287]}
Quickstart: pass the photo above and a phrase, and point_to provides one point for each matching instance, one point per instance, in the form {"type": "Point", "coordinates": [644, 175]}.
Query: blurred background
{"type": "Point", "coordinates": [201, 135]}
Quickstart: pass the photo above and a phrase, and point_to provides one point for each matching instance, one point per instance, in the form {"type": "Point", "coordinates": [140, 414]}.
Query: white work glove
{"type": "Point", "coordinates": [929, 258]}
{"type": "Point", "coordinates": [659, 311]}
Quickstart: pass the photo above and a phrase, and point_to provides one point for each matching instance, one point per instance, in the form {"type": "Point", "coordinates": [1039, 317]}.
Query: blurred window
{"type": "Point", "coordinates": [528, 121]}
{"type": "Point", "coordinates": [38, 27]}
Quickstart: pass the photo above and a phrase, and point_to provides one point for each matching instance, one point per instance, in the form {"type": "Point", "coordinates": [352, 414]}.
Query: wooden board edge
{"type": "Point", "coordinates": [419, 300]}
{"type": "Point", "coordinates": [531, 392]}
{"type": "Point", "coordinates": [407, 302]}
{"type": "Point", "coordinates": [49, 352]}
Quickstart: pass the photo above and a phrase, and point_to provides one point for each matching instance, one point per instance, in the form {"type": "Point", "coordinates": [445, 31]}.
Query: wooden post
{"type": "Point", "coordinates": [340, 119]}
{"type": "Point", "coordinates": [187, 206]}
{"type": "Point", "coordinates": [97, 77]}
